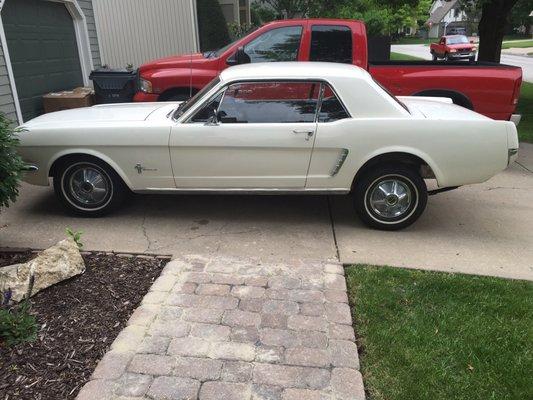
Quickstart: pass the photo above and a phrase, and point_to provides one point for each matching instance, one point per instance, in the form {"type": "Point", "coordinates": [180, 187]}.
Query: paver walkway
{"type": "Point", "coordinates": [229, 329]}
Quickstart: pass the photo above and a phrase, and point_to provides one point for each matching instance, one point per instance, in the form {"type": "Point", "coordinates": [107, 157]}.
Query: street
{"type": "Point", "coordinates": [422, 51]}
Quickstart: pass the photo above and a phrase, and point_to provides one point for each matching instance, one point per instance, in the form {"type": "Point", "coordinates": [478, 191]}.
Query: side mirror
{"type": "Point", "coordinates": [239, 57]}
{"type": "Point", "coordinates": [213, 119]}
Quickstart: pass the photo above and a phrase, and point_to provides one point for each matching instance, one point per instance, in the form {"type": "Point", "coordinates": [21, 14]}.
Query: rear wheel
{"type": "Point", "coordinates": [88, 187]}
{"type": "Point", "coordinates": [390, 197]}
{"type": "Point", "coordinates": [434, 56]}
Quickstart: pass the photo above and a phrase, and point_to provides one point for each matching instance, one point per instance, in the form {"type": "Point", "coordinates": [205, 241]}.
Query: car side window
{"type": "Point", "coordinates": [280, 44]}
{"type": "Point", "coordinates": [331, 43]}
{"type": "Point", "coordinates": [331, 109]}
{"type": "Point", "coordinates": [270, 102]}
{"type": "Point", "coordinates": [209, 110]}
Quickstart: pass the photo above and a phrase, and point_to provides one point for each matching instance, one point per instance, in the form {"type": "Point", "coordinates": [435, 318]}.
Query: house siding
{"type": "Point", "coordinates": [7, 103]}
{"type": "Point", "coordinates": [137, 31]}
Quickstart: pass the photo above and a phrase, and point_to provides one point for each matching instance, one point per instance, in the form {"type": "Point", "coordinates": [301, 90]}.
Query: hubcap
{"type": "Point", "coordinates": [390, 198]}
{"type": "Point", "coordinates": [88, 185]}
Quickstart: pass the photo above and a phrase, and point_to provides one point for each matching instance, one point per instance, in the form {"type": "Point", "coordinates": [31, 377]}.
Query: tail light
{"type": "Point", "coordinates": [516, 92]}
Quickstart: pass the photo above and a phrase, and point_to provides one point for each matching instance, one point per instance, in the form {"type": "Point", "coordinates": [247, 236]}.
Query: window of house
{"type": "Point", "coordinates": [270, 102]}
{"type": "Point", "coordinates": [331, 43]}
{"type": "Point", "coordinates": [280, 44]}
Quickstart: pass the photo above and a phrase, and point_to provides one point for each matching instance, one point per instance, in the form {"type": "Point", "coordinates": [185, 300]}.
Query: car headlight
{"type": "Point", "coordinates": [145, 85]}
{"type": "Point", "coordinates": [453, 51]}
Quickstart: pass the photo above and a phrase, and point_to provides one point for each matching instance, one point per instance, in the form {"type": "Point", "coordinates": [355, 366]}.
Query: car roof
{"type": "Point", "coordinates": [293, 70]}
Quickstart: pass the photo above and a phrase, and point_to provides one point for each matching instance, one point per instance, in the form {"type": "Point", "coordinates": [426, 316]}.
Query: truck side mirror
{"type": "Point", "coordinates": [239, 57]}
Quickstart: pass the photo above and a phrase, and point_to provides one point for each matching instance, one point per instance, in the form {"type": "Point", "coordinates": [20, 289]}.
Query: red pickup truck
{"type": "Point", "coordinates": [489, 88]}
{"type": "Point", "coordinates": [453, 47]}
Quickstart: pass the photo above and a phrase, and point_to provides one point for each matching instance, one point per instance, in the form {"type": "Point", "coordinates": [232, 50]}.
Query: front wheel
{"type": "Point", "coordinates": [88, 187]}
{"type": "Point", "coordinates": [390, 197]}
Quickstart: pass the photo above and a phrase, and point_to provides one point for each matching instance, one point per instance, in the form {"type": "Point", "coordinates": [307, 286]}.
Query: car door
{"type": "Point", "coordinates": [442, 47]}
{"type": "Point", "coordinates": [251, 135]}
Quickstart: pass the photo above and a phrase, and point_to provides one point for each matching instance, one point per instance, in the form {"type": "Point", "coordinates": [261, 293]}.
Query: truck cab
{"type": "Point", "coordinates": [180, 77]}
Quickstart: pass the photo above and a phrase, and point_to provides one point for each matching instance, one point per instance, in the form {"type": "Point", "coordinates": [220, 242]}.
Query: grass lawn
{"type": "Point", "coordinates": [525, 107]}
{"type": "Point", "coordinates": [517, 44]}
{"type": "Point", "coordinates": [439, 336]}
{"type": "Point", "coordinates": [414, 40]}
{"type": "Point", "coordinates": [400, 56]}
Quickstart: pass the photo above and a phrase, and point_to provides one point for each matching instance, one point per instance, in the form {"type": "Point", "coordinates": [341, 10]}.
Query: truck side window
{"type": "Point", "coordinates": [331, 43]}
{"type": "Point", "coordinates": [331, 108]}
{"type": "Point", "coordinates": [280, 44]}
{"type": "Point", "coordinates": [270, 102]}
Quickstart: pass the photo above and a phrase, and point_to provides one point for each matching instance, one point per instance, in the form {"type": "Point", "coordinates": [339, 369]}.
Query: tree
{"type": "Point", "coordinates": [212, 25]}
{"type": "Point", "coordinates": [491, 29]}
{"type": "Point", "coordinates": [10, 163]}
{"type": "Point", "coordinates": [519, 17]}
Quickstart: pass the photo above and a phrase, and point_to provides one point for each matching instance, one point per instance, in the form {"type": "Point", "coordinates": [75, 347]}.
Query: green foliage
{"type": "Point", "coordinates": [17, 325]}
{"type": "Point", "coordinates": [440, 336]}
{"type": "Point", "coordinates": [261, 14]}
{"type": "Point", "coordinates": [76, 236]}
{"type": "Point", "coordinates": [525, 107]}
{"type": "Point", "coordinates": [211, 25]}
{"type": "Point", "coordinates": [10, 163]}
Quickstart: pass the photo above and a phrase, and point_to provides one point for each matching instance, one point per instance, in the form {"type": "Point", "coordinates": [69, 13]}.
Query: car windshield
{"type": "Point", "coordinates": [219, 52]}
{"type": "Point", "coordinates": [458, 40]}
{"type": "Point", "coordinates": [187, 105]}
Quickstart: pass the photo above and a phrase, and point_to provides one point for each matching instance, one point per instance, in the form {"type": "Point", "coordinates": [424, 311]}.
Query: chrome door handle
{"type": "Point", "coordinates": [307, 132]}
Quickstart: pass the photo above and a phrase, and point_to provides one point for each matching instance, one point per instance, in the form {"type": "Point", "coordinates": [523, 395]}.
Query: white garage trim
{"type": "Point", "coordinates": [82, 39]}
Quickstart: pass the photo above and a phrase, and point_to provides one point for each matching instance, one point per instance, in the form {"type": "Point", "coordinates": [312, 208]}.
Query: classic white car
{"type": "Point", "coordinates": [271, 128]}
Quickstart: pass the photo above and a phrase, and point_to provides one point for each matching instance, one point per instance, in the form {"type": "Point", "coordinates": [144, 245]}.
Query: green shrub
{"type": "Point", "coordinates": [17, 325]}
{"type": "Point", "coordinates": [211, 25]}
{"type": "Point", "coordinates": [75, 235]}
{"type": "Point", "coordinates": [10, 163]}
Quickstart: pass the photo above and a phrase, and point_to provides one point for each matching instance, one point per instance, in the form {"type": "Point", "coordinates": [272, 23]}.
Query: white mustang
{"type": "Point", "coordinates": [271, 128]}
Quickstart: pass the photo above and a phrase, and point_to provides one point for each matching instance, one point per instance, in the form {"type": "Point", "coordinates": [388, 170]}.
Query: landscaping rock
{"type": "Point", "coordinates": [53, 265]}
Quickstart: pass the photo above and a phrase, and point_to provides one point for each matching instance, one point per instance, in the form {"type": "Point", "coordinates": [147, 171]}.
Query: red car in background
{"type": "Point", "coordinates": [489, 88]}
{"type": "Point", "coordinates": [453, 47]}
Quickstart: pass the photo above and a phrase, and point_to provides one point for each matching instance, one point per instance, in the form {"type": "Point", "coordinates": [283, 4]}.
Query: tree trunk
{"type": "Point", "coordinates": [491, 28]}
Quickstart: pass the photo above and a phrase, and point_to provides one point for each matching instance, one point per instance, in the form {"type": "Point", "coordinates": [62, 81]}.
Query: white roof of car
{"type": "Point", "coordinates": [296, 70]}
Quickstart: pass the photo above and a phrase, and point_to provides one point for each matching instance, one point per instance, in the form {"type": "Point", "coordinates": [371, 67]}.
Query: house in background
{"type": "Point", "coordinates": [236, 11]}
{"type": "Point", "coordinates": [53, 45]}
{"type": "Point", "coordinates": [46, 46]}
{"type": "Point", "coordinates": [444, 15]}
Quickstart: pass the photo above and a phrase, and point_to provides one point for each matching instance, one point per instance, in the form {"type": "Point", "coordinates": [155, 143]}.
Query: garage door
{"type": "Point", "coordinates": [43, 50]}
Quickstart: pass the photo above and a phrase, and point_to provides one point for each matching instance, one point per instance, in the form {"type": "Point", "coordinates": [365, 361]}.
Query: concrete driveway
{"type": "Point", "coordinates": [483, 229]}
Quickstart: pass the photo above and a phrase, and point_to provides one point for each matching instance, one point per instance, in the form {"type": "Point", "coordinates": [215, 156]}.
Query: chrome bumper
{"type": "Point", "coordinates": [515, 119]}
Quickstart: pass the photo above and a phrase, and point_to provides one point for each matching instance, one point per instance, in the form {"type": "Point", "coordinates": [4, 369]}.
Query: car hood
{"type": "Point", "coordinates": [461, 46]}
{"type": "Point", "coordinates": [99, 113]}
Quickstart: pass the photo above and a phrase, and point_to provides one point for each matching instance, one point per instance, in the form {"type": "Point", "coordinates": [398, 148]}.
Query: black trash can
{"type": "Point", "coordinates": [114, 85]}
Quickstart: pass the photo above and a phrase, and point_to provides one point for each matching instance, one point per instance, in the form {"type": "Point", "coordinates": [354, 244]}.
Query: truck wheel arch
{"type": "Point", "coordinates": [457, 97]}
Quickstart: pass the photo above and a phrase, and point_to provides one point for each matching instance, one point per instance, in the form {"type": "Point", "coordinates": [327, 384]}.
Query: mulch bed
{"type": "Point", "coordinates": [78, 320]}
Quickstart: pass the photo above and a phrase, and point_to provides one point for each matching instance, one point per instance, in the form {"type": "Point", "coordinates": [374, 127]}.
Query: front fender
{"type": "Point", "coordinates": [90, 152]}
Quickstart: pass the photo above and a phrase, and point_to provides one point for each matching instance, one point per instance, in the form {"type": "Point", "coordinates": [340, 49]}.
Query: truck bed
{"type": "Point", "coordinates": [489, 88]}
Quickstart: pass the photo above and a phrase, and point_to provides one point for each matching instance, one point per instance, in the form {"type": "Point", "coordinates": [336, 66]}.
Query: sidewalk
{"type": "Point", "coordinates": [225, 329]}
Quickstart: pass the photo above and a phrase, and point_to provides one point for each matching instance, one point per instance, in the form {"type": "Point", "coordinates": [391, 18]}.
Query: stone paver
{"type": "Point", "coordinates": [227, 329]}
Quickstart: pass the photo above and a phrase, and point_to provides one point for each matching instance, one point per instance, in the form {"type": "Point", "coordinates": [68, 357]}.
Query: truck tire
{"type": "Point", "coordinates": [88, 187]}
{"type": "Point", "coordinates": [390, 197]}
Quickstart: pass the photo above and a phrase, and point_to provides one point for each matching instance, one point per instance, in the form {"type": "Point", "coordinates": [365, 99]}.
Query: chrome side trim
{"type": "Point", "coordinates": [30, 168]}
{"type": "Point", "coordinates": [256, 191]}
{"type": "Point", "coordinates": [515, 119]}
{"type": "Point", "coordinates": [340, 162]}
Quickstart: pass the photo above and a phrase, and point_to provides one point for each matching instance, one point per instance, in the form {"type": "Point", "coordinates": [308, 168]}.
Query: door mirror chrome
{"type": "Point", "coordinates": [239, 57]}
{"type": "Point", "coordinates": [212, 120]}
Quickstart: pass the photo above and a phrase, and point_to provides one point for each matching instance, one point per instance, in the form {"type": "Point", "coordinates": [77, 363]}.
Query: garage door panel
{"type": "Point", "coordinates": [43, 50]}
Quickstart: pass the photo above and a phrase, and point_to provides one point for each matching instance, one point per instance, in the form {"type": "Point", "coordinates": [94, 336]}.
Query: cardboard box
{"type": "Point", "coordinates": [67, 99]}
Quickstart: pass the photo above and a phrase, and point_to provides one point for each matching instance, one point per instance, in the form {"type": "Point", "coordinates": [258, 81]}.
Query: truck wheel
{"type": "Point", "coordinates": [88, 187]}
{"type": "Point", "coordinates": [390, 197]}
{"type": "Point", "coordinates": [446, 57]}
{"type": "Point", "coordinates": [434, 57]}
{"type": "Point", "coordinates": [472, 59]}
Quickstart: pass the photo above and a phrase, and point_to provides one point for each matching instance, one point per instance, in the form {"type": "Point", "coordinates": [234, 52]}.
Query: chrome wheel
{"type": "Point", "coordinates": [87, 186]}
{"type": "Point", "coordinates": [390, 198]}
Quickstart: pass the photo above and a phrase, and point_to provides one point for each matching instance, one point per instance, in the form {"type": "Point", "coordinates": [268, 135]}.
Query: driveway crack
{"type": "Point", "coordinates": [523, 166]}
{"type": "Point", "coordinates": [145, 234]}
